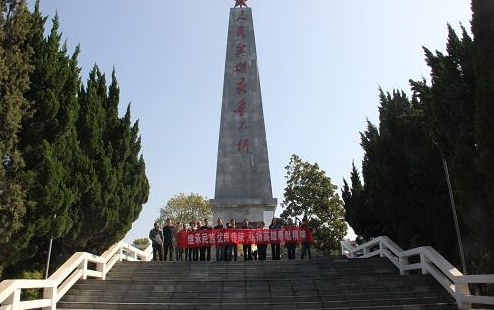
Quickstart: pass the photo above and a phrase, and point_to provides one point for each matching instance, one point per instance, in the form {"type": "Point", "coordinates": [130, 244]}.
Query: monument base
{"type": "Point", "coordinates": [253, 210]}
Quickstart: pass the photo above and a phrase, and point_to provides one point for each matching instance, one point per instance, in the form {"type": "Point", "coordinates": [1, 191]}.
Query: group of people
{"type": "Point", "coordinates": [166, 240]}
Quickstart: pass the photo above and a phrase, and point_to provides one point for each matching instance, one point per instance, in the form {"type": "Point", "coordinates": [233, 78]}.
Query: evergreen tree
{"type": "Point", "coordinates": [47, 140]}
{"type": "Point", "coordinates": [404, 195]}
{"type": "Point", "coordinates": [358, 215]}
{"type": "Point", "coordinates": [310, 193]}
{"type": "Point", "coordinates": [459, 107]}
{"type": "Point", "coordinates": [114, 184]}
{"type": "Point", "coordinates": [483, 31]}
{"type": "Point", "coordinates": [65, 151]}
{"type": "Point", "coordinates": [15, 68]}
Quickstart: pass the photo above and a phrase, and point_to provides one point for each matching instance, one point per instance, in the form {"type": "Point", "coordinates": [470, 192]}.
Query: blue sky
{"type": "Point", "coordinates": [321, 63]}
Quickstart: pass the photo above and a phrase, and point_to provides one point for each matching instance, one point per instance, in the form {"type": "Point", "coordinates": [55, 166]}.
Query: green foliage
{"type": "Point", "coordinates": [358, 212]}
{"type": "Point", "coordinates": [185, 208]}
{"type": "Point", "coordinates": [459, 105]}
{"type": "Point", "coordinates": [71, 167]}
{"type": "Point", "coordinates": [31, 294]}
{"type": "Point", "coordinates": [404, 190]}
{"type": "Point", "coordinates": [404, 195]}
{"type": "Point", "coordinates": [310, 193]}
{"type": "Point", "coordinates": [15, 68]}
{"type": "Point", "coordinates": [141, 241]}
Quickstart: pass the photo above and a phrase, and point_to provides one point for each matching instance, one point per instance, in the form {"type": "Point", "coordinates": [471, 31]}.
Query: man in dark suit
{"type": "Point", "coordinates": [169, 235]}
{"type": "Point", "coordinates": [156, 236]}
{"type": "Point", "coordinates": [275, 247]}
{"type": "Point", "coordinates": [247, 246]}
{"type": "Point", "coordinates": [220, 249]}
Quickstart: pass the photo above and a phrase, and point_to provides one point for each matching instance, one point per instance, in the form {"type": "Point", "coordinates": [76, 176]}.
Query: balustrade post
{"type": "Point", "coordinates": [403, 261]}
{"type": "Point", "coordinates": [120, 254]}
{"type": "Point", "coordinates": [382, 248]}
{"type": "Point", "coordinates": [50, 293]}
{"type": "Point", "coordinates": [14, 300]}
{"type": "Point", "coordinates": [366, 251]}
{"type": "Point", "coordinates": [101, 267]}
{"type": "Point", "coordinates": [423, 262]}
{"type": "Point", "coordinates": [462, 289]}
{"type": "Point", "coordinates": [83, 266]}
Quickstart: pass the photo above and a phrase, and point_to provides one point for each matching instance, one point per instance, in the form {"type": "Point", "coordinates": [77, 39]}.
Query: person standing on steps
{"type": "Point", "coordinates": [196, 249]}
{"type": "Point", "coordinates": [206, 250]}
{"type": "Point", "coordinates": [181, 252]}
{"type": "Point", "coordinates": [232, 247]}
{"type": "Point", "coordinates": [169, 235]}
{"type": "Point", "coordinates": [306, 246]}
{"type": "Point", "coordinates": [190, 250]}
{"type": "Point", "coordinates": [220, 250]}
{"type": "Point", "coordinates": [156, 236]}
{"type": "Point", "coordinates": [261, 248]}
{"type": "Point", "coordinates": [247, 246]}
{"type": "Point", "coordinates": [275, 247]}
{"type": "Point", "coordinates": [178, 227]}
{"type": "Point", "coordinates": [290, 245]}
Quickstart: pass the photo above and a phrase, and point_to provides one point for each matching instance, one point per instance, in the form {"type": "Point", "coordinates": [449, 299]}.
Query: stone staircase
{"type": "Point", "coordinates": [323, 283]}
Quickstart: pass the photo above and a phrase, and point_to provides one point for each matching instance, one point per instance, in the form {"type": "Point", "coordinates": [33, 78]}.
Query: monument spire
{"type": "Point", "coordinates": [243, 181]}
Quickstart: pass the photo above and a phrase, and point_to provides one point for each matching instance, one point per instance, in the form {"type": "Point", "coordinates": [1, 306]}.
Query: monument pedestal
{"type": "Point", "coordinates": [240, 209]}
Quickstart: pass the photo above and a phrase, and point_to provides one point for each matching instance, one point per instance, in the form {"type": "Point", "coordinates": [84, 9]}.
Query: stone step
{"type": "Point", "coordinates": [335, 284]}
{"type": "Point", "coordinates": [423, 305]}
{"type": "Point", "coordinates": [255, 264]}
{"type": "Point", "coordinates": [239, 270]}
{"type": "Point", "coordinates": [323, 295]}
{"type": "Point", "coordinates": [259, 271]}
{"type": "Point", "coordinates": [173, 269]}
{"type": "Point", "coordinates": [283, 262]}
{"type": "Point", "coordinates": [259, 288]}
{"type": "Point", "coordinates": [271, 298]}
{"type": "Point", "coordinates": [252, 264]}
{"type": "Point", "coordinates": [339, 281]}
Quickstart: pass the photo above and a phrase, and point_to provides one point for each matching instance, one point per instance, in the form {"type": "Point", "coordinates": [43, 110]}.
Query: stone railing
{"type": "Point", "coordinates": [427, 261]}
{"type": "Point", "coordinates": [75, 268]}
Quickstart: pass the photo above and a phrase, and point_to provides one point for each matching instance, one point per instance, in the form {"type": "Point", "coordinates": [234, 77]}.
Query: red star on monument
{"type": "Point", "coordinates": [241, 3]}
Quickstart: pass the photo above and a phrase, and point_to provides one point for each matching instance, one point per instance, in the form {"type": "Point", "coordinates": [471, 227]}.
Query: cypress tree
{"type": "Point", "coordinates": [404, 195]}
{"type": "Point", "coordinates": [44, 140]}
{"type": "Point", "coordinates": [358, 215]}
{"type": "Point", "coordinates": [483, 49]}
{"type": "Point", "coordinates": [15, 68]}
{"type": "Point", "coordinates": [115, 185]}
{"type": "Point", "coordinates": [66, 151]}
{"type": "Point", "coordinates": [459, 108]}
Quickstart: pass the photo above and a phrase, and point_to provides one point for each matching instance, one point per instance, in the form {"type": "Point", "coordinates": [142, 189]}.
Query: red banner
{"type": "Point", "coordinates": [221, 237]}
